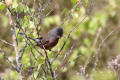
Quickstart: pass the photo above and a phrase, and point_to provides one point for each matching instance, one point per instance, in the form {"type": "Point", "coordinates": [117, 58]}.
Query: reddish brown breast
{"type": "Point", "coordinates": [49, 45]}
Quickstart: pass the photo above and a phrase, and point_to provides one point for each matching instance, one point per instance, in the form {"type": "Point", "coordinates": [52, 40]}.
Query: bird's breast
{"type": "Point", "coordinates": [50, 44]}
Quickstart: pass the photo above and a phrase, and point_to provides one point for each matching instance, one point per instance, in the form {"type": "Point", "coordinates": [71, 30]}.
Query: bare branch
{"type": "Point", "coordinates": [49, 63]}
{"type": "Point", "coordinates": [77, 25]}
{"type": "Point", "coordinates": [94, 44]}
{"type": "Point", "coordinates": [13, 31]}
{"type": "Point", "coordinates": [69, 15]}
{"type": "Point", "coordinates": [12, 65]}
{"type": "Point", "coordinates": [6, 42]}
{"type": "Point", "coordinates": [101, 44]}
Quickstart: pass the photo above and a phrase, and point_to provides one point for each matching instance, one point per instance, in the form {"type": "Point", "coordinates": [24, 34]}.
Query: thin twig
{"type": "Point", "coordinates": [99, 49]}
{"type": "Point", "coordinates": [18, 24]}
{"type": "Point", "coordinates": [63, 62]}
{"type": "Point", "coordinates": [101, 44]}
{"type": "Point", "coordinates": [31, 50]}
{"type": "Point", "coordinates": [77, 25]}
{"type": "Point", "coordinates": [22, 51]}
{"type": "Point", "coordinates": [69, 15]}
{"type": "Point", "coordinates": [6, 42]}
{"type": "Point", "coordinates": [94, 44]}
{"type": "Point", "coordinates": [15, 43]}
{"type": "Point", "coordinates": [11, 64]}
{"type": "Point", "coordinates": [49, 63]}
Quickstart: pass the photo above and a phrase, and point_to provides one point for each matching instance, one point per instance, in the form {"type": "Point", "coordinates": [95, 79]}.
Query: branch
{"type": "Point", "coordinates": [49, 63]}
{"type": "Point", "coordinates": [11, 64]}
{"type": "Point", "coordinates": [15, 44]}
{"type": "Point", "coordinates": [6, 42]}
{"type": "Point", "coordinates": [101, 44]}
{"type": "Point", "coordinates": [20, 28]}
{"type": "Point", "coordinates": [77, 25]}
{"type": "Point", "coordinates": [63, 62]}
{"type": "Point", "coordinates": [93, 46]}
{"type": "Point", "coordinates": [22, 51]}
{"type": "Point", "coordinates": [99, 49]}
{"type": "Point", "coordinates": [69, 15]}
{"type": "Point", "coordinates": [28, 38]}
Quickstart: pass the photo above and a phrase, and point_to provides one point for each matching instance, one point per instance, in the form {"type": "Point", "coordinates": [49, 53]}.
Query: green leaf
{"type": "Point", "coordinates": [14, 75]}
{"type": "Point", "coordinates": [5, 21]}
{"type": "Point", "coordinates": [20, 8]}
{"type": "Point", "coordinates": [5, 76]}
{"type": "Point", "coordinates": [104, 75]}
{"type": "Point", "coordinates": [41, 60]}
{"type": "Point", "coordinates": [1, 56]}
{"type": "Point", "coordinates": [2, 6]}
{"type": "Point", "coordinates": [84, 50]}
{"type": "Point", "coordinates": [73, 57]}
{"type": "Point", "coordinates": [14, 4]}
{"type": "Point", "coordinates": [47, 21]}
{"type": "Point", "coordinates": [64, 69]}
{"type": "Point", "coordinates": [74, 2]}
{"type": "Point", "coordinates": [26, 9]}
{"type": "Point", "coordinates": [86, 1]}
{"type": "Point", "coordinates": [57, 20]}
{"type": "Point", "coordinates": [39, 66]}
{"type": "Point", "coordinates": [87, 42]}
{"type": "Point", "coordinates": [36, 74]}
{"type": "Point", "coordinates": [55, 64]}
{"type": "Point", "coordinates": [65, 11]}
{"type": "Point", "coordinates": [75, 15]}
{"type": "Point", "coordinates": [31, 24]}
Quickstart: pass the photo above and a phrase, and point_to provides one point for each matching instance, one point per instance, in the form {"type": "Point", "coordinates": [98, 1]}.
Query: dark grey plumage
{"type": "Point", "coordinates": [51, 39]}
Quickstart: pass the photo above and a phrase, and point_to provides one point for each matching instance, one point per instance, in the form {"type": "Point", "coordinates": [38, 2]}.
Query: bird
{"type": "Point", "coordinates": [51, 39]}
{"type": "Point", "coordinates": [48, 41]}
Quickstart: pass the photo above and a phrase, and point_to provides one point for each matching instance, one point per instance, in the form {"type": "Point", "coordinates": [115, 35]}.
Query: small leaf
{"type": "Point", "coordinates": [87, 42]}
{"type": "Point", "coordinates": [20, 8]}
{"type": "Point", "coordinates": [57, 20]}
{"type": "Point", "coordinates": [36, 74]}
{"type": "Point", "coordinates": [86, 1]}
{"type": "Point", "coordinates": [14, 4]}
{"type": "Point", "coordinates": [74, 2]}
{"type": "Point", "coordinates": [32, 24]}
{"type": "Point", "coordinates": [39, 66]}
{"type": "Point", "coordinates": [2, 6]}
{"type": "Point", "coordinates": [65, 11]}
{"type": "Point", "coordinates": [41, 60]}
{"type": "Point", "coordinates": [75, 15]}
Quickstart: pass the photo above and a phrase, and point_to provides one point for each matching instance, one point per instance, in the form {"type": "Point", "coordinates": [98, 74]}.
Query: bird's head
{"type": "Point", "coordinates": [59, 31]}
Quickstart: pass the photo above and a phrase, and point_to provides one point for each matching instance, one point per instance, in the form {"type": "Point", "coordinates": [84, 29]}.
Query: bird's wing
{"type": "Point", "coordinates": [43, 41]}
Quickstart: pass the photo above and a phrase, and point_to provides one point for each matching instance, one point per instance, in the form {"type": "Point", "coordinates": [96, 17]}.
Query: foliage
{"type": "Point", "coordinates": [80, 46]}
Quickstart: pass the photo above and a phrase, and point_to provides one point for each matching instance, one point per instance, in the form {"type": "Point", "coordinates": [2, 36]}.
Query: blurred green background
{"type": "Point", "coordinates": [85, 45]}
